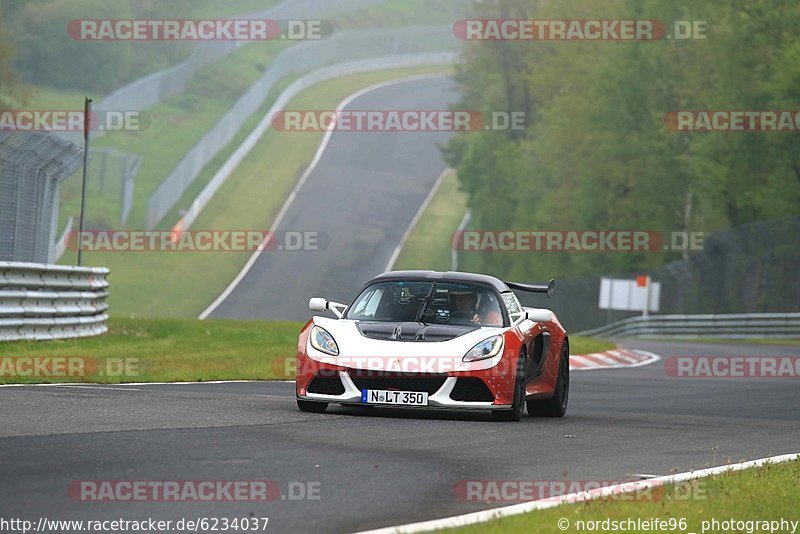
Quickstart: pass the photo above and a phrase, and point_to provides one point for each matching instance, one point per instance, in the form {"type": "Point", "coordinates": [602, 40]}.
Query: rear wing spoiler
{"type": "Point", "coordinates": [531, 288]}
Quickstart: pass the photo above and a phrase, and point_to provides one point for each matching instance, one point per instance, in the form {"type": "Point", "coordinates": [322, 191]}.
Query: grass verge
{"type": "Point", "coordinates": [429, 245]}
{"type": "Point", "coordinates": [165, 350]}
{"type": "Point", "coordinates": [588, 345]}
{"type": "Point", "coordinates": [760, 494]}
{"type": "Point", "coordinates": [171, 350]}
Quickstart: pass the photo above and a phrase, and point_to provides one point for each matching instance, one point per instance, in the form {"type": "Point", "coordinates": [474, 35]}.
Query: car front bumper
{"type": "Point", "coordinates": [439, 398]}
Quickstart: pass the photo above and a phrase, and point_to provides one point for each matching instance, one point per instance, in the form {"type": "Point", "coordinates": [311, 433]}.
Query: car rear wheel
{"type": "Point", "coordinates": [557, 405]}
{"type": "Point", "coordinates": [518, 404]}
{"type": "Point", "coordinates": [312, 406]}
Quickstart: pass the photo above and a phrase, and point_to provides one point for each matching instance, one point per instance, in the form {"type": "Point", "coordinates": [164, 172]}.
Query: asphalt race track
{"type": "Point", "coordinates": [375, 467]}
{"type": "Point", "coordinates": [361, 198]}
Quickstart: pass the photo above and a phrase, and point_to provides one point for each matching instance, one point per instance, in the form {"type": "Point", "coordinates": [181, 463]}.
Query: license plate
{"type": "Point", "coordinates": [403, 398]}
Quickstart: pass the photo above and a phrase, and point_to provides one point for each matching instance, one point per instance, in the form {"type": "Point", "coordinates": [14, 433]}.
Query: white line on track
{"type": "Point", "coordinates": [521, 508]}
{"type": "Point", "coordinates": [287, 204]}
{"type": "Point", "coordinates": [417, 217]}
{"type": "Point", "coordinates": [81, 386]}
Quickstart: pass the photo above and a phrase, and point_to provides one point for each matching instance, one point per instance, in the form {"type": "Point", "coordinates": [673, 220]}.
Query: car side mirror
{"type": "Point", "coordinates": [318, 304]}
{"type": "Point", "coordinates": [538, 315]}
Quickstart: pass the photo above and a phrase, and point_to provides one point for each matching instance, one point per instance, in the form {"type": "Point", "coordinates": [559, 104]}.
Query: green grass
{"type": "Point", "coordinates": [172, 350]}
{"type": "Point", "coordinates": [429, 245]}
{"type": "Point", "coordinates": [169, 350]}
{"type": "Point", "coordinates": [588, 345]}
{"type": "Point", "coordinates": [764, 493]}
{"type": "Point", "coordinates": [183, 284]}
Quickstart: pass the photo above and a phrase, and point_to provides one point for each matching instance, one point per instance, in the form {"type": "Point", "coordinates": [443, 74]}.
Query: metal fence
{"type": "Point", "coordinates": [735, 325]}
{"type": "Point", "coordinates": [32, 167]}
{"type": "Point", "coordinates": [748, 269]}
{"type": "Point", "coordinates": [110, 183]}
{"type": "Point", "coordinates": [41, 302]}
{"type": "Point", "coordinates": [345, 46]}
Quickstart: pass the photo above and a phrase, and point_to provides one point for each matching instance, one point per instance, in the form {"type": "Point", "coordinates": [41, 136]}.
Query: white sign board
{"type": "Point", "coordinates": [626, 295]}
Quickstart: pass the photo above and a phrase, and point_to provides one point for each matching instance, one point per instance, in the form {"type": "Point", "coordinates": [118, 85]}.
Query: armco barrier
{"type": "Point", "coordinates": [41, 302]}
{"type": "Point", "coordinates": [734, 325]}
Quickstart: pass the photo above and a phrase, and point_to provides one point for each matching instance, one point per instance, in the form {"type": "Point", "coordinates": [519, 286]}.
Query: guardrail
{"type": "Point", "coordinates": [736, 325]}
{"type": "Point", "coordinates": [41, 301]}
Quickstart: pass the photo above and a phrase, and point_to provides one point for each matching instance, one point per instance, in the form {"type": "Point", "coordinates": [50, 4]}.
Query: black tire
{"type": "Point", "coordinates": [557, 405]}
{"type": "Point", "coordinates": [312, 406]}
{"type": "Point", "coordinates": [518, 404]}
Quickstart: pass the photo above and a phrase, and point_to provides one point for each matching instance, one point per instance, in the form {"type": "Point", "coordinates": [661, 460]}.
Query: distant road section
{"type": "Point", "coordinates": [361, 197]}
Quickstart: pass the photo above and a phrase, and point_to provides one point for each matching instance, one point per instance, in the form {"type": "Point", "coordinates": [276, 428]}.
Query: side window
{"type": "Point", "coordinates": [372, 303]}
{"type": "Point", "coordinates": [512, 305]}
{"type": "Point", "coordinates": [369, 304]}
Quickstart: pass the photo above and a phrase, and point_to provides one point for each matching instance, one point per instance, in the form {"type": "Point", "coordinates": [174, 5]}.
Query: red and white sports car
{"type": "Point", "coordinates": [436, 340]}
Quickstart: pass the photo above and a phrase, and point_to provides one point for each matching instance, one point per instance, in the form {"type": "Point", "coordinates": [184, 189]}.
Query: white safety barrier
{"type": "Point", "coordinates": [42, 302]}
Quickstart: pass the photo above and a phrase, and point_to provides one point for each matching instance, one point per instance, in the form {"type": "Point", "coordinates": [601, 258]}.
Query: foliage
{"type": "Point", "coordinates": [596, 153]}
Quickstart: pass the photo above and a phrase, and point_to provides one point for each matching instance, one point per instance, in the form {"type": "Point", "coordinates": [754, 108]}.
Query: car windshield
{"type": "Point", "coordinates": [427, 302]}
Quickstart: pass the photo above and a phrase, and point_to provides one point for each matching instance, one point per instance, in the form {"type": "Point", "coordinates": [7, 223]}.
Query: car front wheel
{"type": "Point", "coordinates": [518, 404]}
{"type": "Point", "coordinates": [557, 405]}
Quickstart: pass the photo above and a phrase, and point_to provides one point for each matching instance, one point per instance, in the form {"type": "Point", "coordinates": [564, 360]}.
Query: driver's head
{"type": "Point", "coordinates": [462, 301]}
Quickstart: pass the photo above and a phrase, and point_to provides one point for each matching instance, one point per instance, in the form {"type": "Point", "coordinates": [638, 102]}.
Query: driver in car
{"type": "Point", "coordinates": [463, 307]}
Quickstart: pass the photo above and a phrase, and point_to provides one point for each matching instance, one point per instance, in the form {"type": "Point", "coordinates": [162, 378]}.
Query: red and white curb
{"type": "Point", "coordinates": [612, 359]}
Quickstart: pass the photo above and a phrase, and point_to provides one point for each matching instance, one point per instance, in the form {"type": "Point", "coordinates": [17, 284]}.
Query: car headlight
{"type": "Point", "coordinates": [323, 341]}
{"type": "Point", "coordinates": [488, 348]}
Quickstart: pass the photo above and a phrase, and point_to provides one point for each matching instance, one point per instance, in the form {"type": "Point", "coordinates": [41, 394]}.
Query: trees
{"type": "Point", "coordinates": [597, 155]}
{"type": "Point", "coordinates": [12, 93]}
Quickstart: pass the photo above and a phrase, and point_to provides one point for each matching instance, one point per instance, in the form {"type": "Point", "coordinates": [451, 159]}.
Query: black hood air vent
{"type": "Point", "coordinates": [411, 331]}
